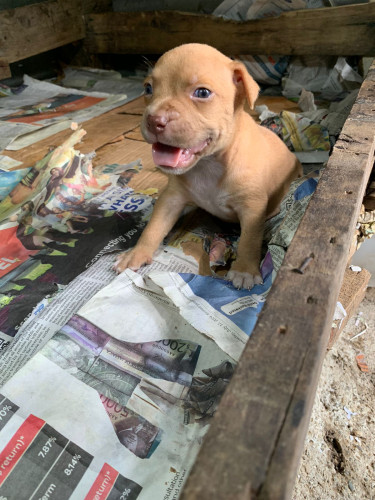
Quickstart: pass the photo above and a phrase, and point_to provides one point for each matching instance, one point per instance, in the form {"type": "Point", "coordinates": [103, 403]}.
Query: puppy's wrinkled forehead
{"type": "Point", "coordinates": [189, 65]}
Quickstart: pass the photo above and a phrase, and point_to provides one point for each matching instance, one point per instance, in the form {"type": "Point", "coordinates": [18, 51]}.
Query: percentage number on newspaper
{"type": "Point", "coordinates": [46, 448]}
{"type": "Point", "coordinates": [72, 465]}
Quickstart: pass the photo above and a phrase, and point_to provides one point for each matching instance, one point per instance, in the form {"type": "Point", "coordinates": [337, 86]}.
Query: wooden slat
{"type": "Point", "coordinates": [352, 293]}
{"type": "Point", "coordinates": [100, 131]}
{"type": "Point", "coordinates": [253, 446]}
{"type": "Point", "coordinates": [90, 6]}
{"type": "Point", "coordinates": [4, 70]}
{"type": "Point", "coordinates": [346, 30]}
{"type": "Point", "coordinates": [136, 107]}
{"type": "Point", "coordinates": [30, 30]}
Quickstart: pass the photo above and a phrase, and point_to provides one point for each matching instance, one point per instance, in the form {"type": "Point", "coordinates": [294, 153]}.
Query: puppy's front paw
{"type": "Point", "coordinates": [132, 259]}
{"type": "Point", "coordinates": [244, 280]}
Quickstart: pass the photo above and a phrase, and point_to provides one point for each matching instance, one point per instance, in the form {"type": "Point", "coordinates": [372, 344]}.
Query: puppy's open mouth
{"type": "Point", "coordinates": [171, 156]}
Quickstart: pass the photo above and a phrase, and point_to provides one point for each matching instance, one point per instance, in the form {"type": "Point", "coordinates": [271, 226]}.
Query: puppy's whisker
{"type": "Point", "coordinates": [148, 63]}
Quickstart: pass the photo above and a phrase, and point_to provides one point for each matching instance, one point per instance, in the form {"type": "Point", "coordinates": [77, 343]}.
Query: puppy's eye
{"type": "Point", "coordinates": [202, 93]}
{"type": "Point", "coordinates": [148, 89]}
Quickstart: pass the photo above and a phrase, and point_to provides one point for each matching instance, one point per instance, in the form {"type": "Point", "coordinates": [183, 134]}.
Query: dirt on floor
{"type": "Point", "coordinates": [339, 457]}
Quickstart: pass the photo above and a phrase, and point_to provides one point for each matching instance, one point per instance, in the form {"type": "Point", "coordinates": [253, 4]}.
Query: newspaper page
{"type": "Point", "coordinates": [212, 305]}
{"type": "Point", "coordinates": [50, 315]}
{"type": "Point", "coordinates": [39, 109]}
{"type": "Point", "coordinates": [103, 80]}
{"type": "Point", "coordinates": [138, 362]}
{"type": "Point", "coordinates": [129, 363]}
{"type": "Point", "coordinates": [148, 389]}
{"type": "Point", "coordinates": [57, 220]}
{"type": "Point", "coordinates": [328, 80]}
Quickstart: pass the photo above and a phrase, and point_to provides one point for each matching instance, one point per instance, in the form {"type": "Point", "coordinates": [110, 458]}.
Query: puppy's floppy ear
{"type": "Point", "coordinates": [246, 85]}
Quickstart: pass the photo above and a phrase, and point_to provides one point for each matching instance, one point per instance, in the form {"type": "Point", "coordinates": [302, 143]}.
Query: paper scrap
{"type": "Point", "coordinates": [361, 362]}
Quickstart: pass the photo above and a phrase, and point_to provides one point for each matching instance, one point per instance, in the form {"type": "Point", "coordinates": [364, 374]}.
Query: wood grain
{"type": "Point", "coordinates": [254, 444]}
{"type": "Point", "coordinates": [100, 131]}
{"type": "Point", "coordinates": [4, 69]}
{"type": "Point", "coordinates": [352, 293]}
{"type": "Point", "coordinates": [30, 30]}
{"type": "Point", "coordinates": [346, 30]}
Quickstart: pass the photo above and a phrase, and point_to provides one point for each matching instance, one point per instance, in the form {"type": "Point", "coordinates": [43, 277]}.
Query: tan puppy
{"type": "Point", "coordinates": [216, 156]}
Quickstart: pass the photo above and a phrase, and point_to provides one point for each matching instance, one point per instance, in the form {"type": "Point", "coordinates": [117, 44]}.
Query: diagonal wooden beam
{"type": "Point", "coordinates": [346, 30]}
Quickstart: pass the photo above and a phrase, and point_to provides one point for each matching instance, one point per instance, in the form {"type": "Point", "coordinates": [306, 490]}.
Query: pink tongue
{"type": "Point", "coordinates": [166, 156]}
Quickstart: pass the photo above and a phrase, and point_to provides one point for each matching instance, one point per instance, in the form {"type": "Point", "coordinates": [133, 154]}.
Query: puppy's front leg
{"type": "Point", "coordinates": [166, 212]}
{"type": "Point", "coordinates": [244, 272]}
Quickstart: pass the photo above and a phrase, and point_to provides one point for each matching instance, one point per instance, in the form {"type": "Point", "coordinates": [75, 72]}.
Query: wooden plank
{"type": "Point", "coordinates": [100, 131]}
{"type": "Point", "coordinates": [352, 293]}
{"type": "Point", "coordinates": [30, 30]}
{"type": "Point", "coordinates": [135, 107]}
{"type": "Point", "coordinates": [135, 134]}
{"type": "Point", "coordinates": [90, 6]}
{"type": "Point", "coordinates": [4, 70]}
{"type": "Point", "coordinates": [346, 30]}
{"type": "Point", "coordinates": [255, 441]}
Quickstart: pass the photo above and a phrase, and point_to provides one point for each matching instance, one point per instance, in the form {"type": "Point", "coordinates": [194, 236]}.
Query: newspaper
{"type": "Point", "coordinates": [202, 247]}
{"type": "Point", "coordinates": [61, 212]}
{"type": "Point", "coordinates": [101, 80]}
{"type": "Point", "coordinates": [40, 109]}
{"type": "Point", "coordinates": [265, 8]}
{"type": "Point", "coordinates": [329, 78]}
{"type": "Point", "coordinates": [139, 449]}
{"type": "Point", "coordinates": [147, 390]}
{"type": "Point", "coordinates": [138, 362]}
{"type": "Point", "coordinates": [125, 357]}
{"type": "Point", "coordinates": [300, 133]}
{"type": "Point", "coordinates": [240, 10]}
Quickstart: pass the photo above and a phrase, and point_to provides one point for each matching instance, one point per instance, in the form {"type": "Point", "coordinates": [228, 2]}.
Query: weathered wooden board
{"type": "Point", "coordinates": [136, 107]}
{"type": "Point", "coordinates": [4, 69]}
{"type": "Point", "coordinates": [346, 30]}
{"type": "Point", "coordinates": [352, 293]}
{"type": "Point", "coordinates": [100, 131]}
{"type": "Point", "coordinates": [253, 446]}
{"type": "Point", "coordinates": [26, 31]}
{"type": "Point", "coordinates": [89, 6]}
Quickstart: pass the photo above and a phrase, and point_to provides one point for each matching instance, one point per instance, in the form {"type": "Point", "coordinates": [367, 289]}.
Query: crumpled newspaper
{"type": "Point", "coordinates": [298, 132]}
{"type": "Point", "coordinates": [327, 77]}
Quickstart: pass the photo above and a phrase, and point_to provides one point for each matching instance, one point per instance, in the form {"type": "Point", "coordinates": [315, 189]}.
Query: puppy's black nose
{"type": "Point", "coordinates": [156, 123]}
